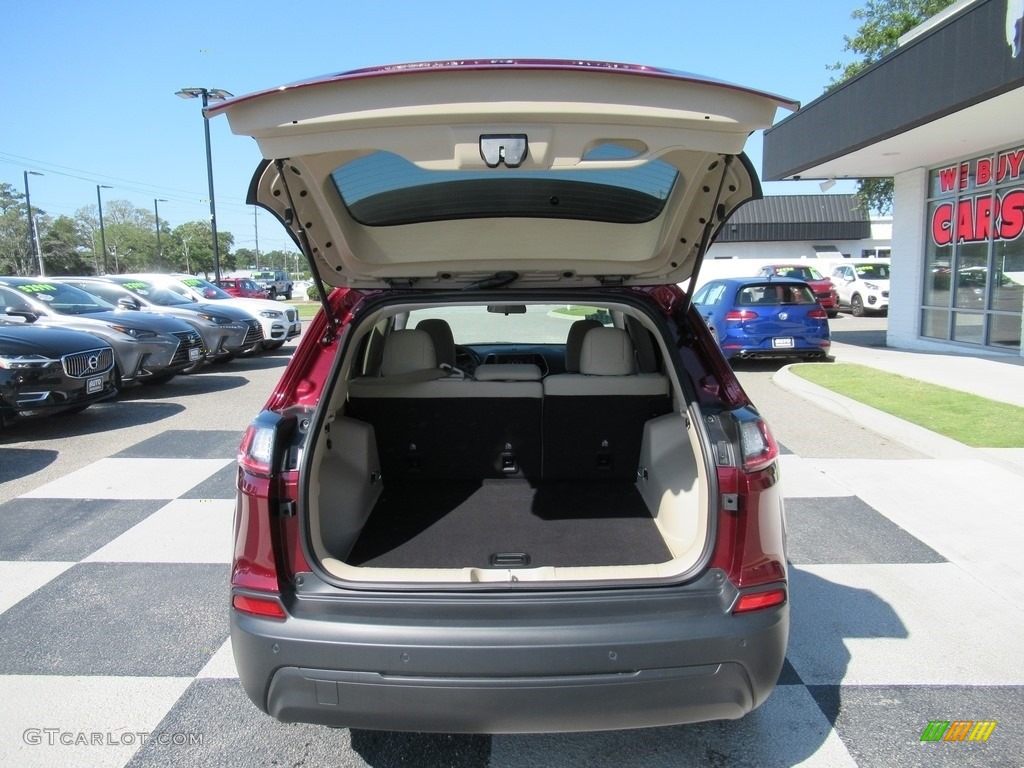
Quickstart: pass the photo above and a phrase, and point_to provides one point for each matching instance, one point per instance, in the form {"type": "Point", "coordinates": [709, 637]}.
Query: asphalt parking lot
{"type": "Point", "coordinates": [114, 552]}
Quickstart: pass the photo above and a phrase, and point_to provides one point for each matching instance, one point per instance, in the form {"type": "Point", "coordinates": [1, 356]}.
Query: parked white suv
{"type": "Point", "coordinates": [863, 286]}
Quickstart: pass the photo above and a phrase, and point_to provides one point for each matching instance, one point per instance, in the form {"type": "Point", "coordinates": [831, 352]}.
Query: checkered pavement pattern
{"type": "Point", "coordinates": [114, 642]}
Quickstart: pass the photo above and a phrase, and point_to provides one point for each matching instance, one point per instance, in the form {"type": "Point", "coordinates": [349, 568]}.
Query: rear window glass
{"type": "Point", "coordinates": [508, 324]}
{"type": "Point", "coordinates": [384, 189]}
{"type": "Point", "coordinates": [774, 294]}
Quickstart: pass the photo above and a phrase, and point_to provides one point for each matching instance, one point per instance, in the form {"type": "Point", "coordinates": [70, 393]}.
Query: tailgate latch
{"type": "Point", "coordinates": [509, 148]}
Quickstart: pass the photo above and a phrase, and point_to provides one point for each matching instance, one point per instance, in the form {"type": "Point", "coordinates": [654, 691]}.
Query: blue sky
{"type": "Point", "coordinates": [89, 90]}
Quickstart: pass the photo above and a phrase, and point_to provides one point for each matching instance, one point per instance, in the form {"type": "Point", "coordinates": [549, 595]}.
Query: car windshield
{"type": "Point", "coordinates": [800, 273]}
{"type": "Point", "coordinates": [506, 324]}
{"type": "Point", "coordinates": [64, 299]}
{"type": "Point", "coordinates": [205, 288]}
{"type": "Point", "coordinates": [383, 189]}
{"type": "Point", "coordinates": [774, 294]}
{"type": "Point", "coordinates": [155, 294]}
{"type": "Point", "coordinates": [873, 271]}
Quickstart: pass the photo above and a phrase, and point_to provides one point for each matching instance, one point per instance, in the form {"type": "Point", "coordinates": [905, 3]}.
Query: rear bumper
{"type": "Point", "coordinates": [587, 664]}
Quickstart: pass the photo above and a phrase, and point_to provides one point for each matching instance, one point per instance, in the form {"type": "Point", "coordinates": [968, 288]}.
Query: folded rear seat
{"type": "Point", "coordinates": [431, 425]}
{"type": "Point", "coordinates": [594, 420]}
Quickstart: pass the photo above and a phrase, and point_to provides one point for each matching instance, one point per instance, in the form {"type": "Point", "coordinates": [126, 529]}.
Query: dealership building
{"type": "Point", "coordinates": [943, 115]}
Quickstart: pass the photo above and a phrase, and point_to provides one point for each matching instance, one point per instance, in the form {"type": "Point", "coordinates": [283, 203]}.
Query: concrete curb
{"type": "Point", "coordinates": [918, 438]}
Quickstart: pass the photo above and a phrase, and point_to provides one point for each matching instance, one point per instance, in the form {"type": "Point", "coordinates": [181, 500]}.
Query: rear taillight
{"type": "Point", "coordinates": [256, 453]}
{"type": "Point", "coordinates": [261, 458]}
{"type": "Point", "coordinates": [757, 444]}
{"type": "Point", "coordinates": [818, 314]}
{"type": "Point", "coordinates": [739, 315]}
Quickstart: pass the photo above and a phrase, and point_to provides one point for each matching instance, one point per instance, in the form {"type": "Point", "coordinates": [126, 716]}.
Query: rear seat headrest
{"type": "Point", "coordinates": [607, 352]}
{"type": "Point", "coordinates": [574, 343]}
{"type": "Point", "coordinates": [441, 334]}
{"type": "Point", "coordinates": [407, 350]}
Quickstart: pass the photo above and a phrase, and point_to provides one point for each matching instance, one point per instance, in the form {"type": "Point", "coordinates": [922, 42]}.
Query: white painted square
{"type": "Point", "coordinates": [18, 580]}
{"type": "Point", "coordinates": [801, 479]}
{"type": "Point", "coordinates": [182, 531]}
{"type": "Point", "coordinates": [74, 721]}
{"type": "Point", "coordinates": [131, 479]}
{"type": "Point", "coordinates": [918, 624]}
{"type": "Point", "coordinates": [221, 664]}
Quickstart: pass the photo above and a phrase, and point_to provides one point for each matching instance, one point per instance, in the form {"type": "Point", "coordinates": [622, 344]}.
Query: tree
{"type": "Point", "coordinates": [65, 247]}
{"type": "Point", "coordinates": [15, 249]}
{"type": "Point", "coordinates": [883, 22]}
{"type": "Point", "coordinates": [190, 249]}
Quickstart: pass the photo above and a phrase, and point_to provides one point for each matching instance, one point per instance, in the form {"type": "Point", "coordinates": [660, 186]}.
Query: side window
{"type": "Point", "coordinates": [700, 297]}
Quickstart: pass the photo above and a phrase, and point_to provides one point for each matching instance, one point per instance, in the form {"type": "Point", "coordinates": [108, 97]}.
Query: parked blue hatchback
{"type": "Point", "coordinates": [756, 317]}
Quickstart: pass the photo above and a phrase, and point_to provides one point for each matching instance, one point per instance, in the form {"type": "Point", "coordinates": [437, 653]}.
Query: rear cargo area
{"type": "Point", "coordinates": [509, 523]}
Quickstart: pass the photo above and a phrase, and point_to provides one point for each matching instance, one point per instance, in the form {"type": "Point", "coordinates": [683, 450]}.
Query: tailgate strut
{"type": "Point", "coordinates": [289, 219]}
{"type": "Point", "coordinates": [705, 241]}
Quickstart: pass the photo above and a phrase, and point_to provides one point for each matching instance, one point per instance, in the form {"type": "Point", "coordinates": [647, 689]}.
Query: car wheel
{"type": "Point", "coordinates": [857, 305]}
{"type": "Point", "coordinates": [272, 294]}
{"type": "Point", "coordinates": [833, 313]}
{"type": "Point", "coordinates": [288, 296]}
{"type": "Point", "coordinates": [273, 344]}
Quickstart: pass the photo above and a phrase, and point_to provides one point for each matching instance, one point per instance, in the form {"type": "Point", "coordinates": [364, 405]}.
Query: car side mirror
{"type": "Point", "coordinates": [25, 313]}
{"type": "Point", "coordinates": [127, 302]}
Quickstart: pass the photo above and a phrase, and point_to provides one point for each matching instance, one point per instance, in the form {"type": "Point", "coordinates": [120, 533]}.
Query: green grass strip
{"type": "Point", "coordinates": [575, 311]}
{"type": "Point", "coordinates": [972, 420]}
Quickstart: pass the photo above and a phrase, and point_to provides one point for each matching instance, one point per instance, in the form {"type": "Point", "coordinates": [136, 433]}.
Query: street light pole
{"type": "Point", "coordinates": [37, 255]}
{"type": "Point", "coordinates": [206, 94]}
{"type": "Point", "coordinates": [103, 238]}
{"type": "Point", "coordinates": [156, 215]}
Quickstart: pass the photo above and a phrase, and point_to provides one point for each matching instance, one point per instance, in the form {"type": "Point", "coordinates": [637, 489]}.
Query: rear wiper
{"type": "Point", "coordinates": [497, 280]}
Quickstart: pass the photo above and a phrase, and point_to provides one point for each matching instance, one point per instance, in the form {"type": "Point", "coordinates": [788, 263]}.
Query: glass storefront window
{"type": "Point", "coordinates": [974, 258]}
{"type": "Point", "coordinates": [935, 323]}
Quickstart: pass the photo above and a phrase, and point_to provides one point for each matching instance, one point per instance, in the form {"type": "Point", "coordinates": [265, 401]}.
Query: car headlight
{"type": "Point", "coordinates": [871, 286]}
{"type": "Point", "coordinates": [218, 319]}
{"type": "Point", "coordinates": [136, 333]}
{"type": "Point", "coordinates": [271, 313]}
{"type": "Point", "coordinates": [21, 362]}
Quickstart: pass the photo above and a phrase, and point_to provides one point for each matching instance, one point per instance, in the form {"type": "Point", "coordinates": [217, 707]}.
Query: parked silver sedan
{"type": "Point", "coordinates": [148, 348]}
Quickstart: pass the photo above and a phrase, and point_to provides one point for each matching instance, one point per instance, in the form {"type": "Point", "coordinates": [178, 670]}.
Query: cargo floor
{"type": "Point", "coordinates": [459, 524]}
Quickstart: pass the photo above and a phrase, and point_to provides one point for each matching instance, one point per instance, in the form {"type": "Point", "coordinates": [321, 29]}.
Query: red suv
{"type": "Point", "coordinates": [508, 482]}
{"type": "Point", "coordinates": [824, 289]}
{"type": "Point", "coordinates": [242, 288]}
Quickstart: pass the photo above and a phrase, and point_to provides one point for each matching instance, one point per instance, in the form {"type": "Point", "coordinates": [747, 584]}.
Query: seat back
{"type": "Point", "coordinates": [594, 420]}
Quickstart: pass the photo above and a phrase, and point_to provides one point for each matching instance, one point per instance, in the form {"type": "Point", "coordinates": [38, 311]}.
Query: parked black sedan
{"type": "Point", "coordinates": [47, 370]}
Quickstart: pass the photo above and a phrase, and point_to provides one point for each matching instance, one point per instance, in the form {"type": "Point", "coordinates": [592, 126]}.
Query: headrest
{"type": "Point", "coordinates": [408, 350]}
{"type": "Point", "coordinates": [441, 334]}
{"type": "Point", "coordinates": [607, 352]}
{"type": "Point", "coordinates": [574, 343]}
